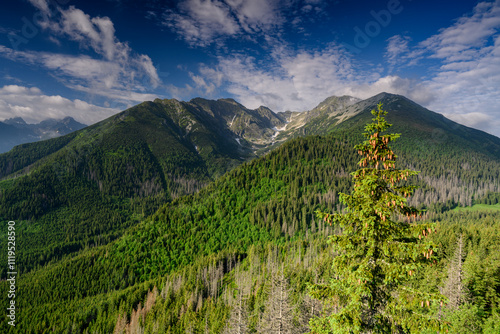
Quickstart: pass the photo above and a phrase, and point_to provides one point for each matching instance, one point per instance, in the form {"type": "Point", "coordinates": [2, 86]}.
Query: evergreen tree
{"type": "Point", "coordinates": [377, 250]}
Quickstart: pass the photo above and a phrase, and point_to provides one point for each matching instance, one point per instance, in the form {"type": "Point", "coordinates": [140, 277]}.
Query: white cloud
{"type": "Point", "coordinates": [129, 97]}
{"type": "Point", "coordinates": [97, 32]}
{"type": "Point", "coordinates": [111, 69]}
{"type": "Point", "coordinates": [209, 88]}
{"type": "Point", "coordinates": [299, 80]}
{"type": "Point", "coordinates": [257, 15]}
{"type": "Point", "coordinates": [83, 73]}
{"type": "Point", "coordinates": [478, 120]}
{"type": "Point", "coordinates": [466, 38]}
{"type": "Point", "coordinates": [42, 5]}
{"type": "Point", "coordinates": [33, 106]}
{"type": "Point", "coordinates": [412, 89]}
{"type": "Point", "coordinates": [397, 46]}
{"type": "Point", "coordinates": [254, 86]}
{"type": "Point", "coordinates": [467, 82]}
{"type": "Point", "coordinates": [203, 22]}
{"type": "Point", "coordinates": [200, 21]}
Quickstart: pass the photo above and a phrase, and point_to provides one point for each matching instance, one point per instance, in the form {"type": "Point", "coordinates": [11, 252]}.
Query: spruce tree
{"type": "Point", "coordinates": [379, 249]}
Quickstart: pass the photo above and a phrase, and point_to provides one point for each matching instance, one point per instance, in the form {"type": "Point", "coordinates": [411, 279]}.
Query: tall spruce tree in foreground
{"type": "Point", "coordinates": [379, 249]}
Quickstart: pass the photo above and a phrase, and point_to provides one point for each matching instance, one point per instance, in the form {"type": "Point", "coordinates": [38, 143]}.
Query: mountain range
{"type": "Point", "coordinates": [103, 210]}
{"type": "Point", "coordinates": [15, 131]}
{"type": "Point", "coordinates": [98, 181]}
{"type": "Point", "coordinates": [230, 132]}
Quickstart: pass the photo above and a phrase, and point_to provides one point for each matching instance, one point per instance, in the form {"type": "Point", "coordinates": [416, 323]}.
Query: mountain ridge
{"type": "Point", "coordinates": [227, 131]}
{"type": "Point", "coordinates": [161, 150]}
{"type": "Point", "coordinates": [15, 131]}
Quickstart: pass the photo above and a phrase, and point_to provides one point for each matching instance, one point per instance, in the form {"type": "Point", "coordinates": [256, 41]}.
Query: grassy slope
{"type": "Point", "coordinates": [478, 207]}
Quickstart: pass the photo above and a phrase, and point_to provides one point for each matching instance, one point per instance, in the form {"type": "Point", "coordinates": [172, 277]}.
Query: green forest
{"type": "Point", "coordinates": [106, 246]}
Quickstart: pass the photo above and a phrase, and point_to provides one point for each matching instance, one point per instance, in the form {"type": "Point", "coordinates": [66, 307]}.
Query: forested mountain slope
{"type": "Point", "coordinates": [86, 188]}
{"type": "Point", "coordinates": [82, 201]}
{"type": "Point", "coordinates": [270, 200]}
{"type": "Point", "coordinates": [422, 130]}
{"type": "Point", "coordinates": [460, 155]}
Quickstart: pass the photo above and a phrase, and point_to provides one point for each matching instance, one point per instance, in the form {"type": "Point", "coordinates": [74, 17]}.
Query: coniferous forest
{"type": "Point", "coordinates": [334, 233]}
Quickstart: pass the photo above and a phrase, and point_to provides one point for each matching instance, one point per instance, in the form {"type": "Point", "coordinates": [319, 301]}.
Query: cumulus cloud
{"type": "Point", "coordinates": [98, 34]}
{"type": "Point", "coordinates": [412, 89]}
{"type": "Point", "coordinates": [203, 22]}
{"type": "Point", "coordinates": [295, 81]}
{"type": "Point", "coordinates": [202, 84]}
{"type": "Point", "coordinates": [111, 69]}
{"type": "Point", "coordinates": [468, 36]}
{"type": "Point", "coordinates": [34, 106]}
{"type": "Point", "coordinates": [468, 80]}
{"type": "Point", "coordinates": [300, 80]}
{"type": "Point", "coordinates": [83, 73]}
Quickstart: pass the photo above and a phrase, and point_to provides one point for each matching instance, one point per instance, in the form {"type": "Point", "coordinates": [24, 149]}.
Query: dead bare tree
{"type": "Point", "coordinates": [454, 288]}
{"type": "Point", "coordinates": [238, 320]}
{"type": "Point", "coordinates": [278, 314]}
{"type": "Point", "coordinates": [309, 309]}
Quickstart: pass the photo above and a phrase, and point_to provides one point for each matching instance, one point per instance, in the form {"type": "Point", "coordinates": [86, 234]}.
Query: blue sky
{"type": "Point", "coordinates": [91, 59]}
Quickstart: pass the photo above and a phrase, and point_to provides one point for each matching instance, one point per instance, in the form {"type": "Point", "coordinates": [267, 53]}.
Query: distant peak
{"type": "Point", "coordinates": [70, 120]}
{"type": "Point", "coordinates": [165, 100]}
{"type": "Point", "coordinates": [14, 120]}
{"type": "Point", "coordinates": [264, 108]}
{"type": "Point", "coordinates": [383, 95]}
{"type": "Point", "coordinates": [344, 100]}
{"type": "Point", "coordinates": [230, 100]}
